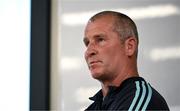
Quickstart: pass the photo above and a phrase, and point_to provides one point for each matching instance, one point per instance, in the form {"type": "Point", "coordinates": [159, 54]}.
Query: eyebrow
{"type": "Point", "coordinates": [95, 36]}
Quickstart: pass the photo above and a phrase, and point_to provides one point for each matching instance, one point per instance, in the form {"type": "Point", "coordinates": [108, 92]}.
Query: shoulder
{"type": "Point", "coordinates": [137, 94]}
{"type": "Point", "coordinates": [131, 94]}
{"type": "Point", "coordinates": [157, 101]}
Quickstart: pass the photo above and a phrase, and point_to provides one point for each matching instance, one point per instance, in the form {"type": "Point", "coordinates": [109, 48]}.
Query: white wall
{"type": "Point", "coordinates": [14, 55]}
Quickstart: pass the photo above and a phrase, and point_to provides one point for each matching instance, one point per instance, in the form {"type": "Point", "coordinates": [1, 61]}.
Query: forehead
{"type": "Point", "coordinates": [99, 25]}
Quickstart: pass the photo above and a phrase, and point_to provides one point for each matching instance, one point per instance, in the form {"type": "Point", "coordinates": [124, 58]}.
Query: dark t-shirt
{"type": "Point", "coordinates": [133, 94]}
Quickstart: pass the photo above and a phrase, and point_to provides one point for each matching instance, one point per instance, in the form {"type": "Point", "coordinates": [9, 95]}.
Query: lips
{"type": "Point", "coordinates": [91, 63]}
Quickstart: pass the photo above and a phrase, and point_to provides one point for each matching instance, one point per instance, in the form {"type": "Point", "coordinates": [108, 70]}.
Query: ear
{"type": "Point", "coordinates": [130, 46]}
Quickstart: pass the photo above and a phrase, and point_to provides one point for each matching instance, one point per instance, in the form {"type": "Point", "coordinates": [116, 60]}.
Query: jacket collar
{"type": "Point", "coordinates": [112, 89]}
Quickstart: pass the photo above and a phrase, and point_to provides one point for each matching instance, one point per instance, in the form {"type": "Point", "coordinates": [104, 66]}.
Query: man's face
{"type": "Point", "coordinates": [105, 54]}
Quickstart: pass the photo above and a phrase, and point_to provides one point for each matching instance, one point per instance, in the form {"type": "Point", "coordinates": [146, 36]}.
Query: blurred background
{"type": "Point", "coordinates": [158, 23]}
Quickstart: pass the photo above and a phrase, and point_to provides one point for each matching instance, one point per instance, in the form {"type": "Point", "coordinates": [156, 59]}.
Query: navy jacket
{"type": "Point", "coordinates": [133, 94]}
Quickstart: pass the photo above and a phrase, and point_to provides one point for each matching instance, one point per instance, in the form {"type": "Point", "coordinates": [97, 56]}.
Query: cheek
{"type": "Point", "coordinates": [112, 56]}
{"type": "Point", "coordinates": [108, 58]}
{"type": "Point", "coordinates": [110, 53]}
{"type": "Point", "coordinates": [85, 56]}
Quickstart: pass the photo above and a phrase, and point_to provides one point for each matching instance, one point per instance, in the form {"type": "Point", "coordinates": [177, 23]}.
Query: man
{"type": "Point", "coordinates": [111, 39]}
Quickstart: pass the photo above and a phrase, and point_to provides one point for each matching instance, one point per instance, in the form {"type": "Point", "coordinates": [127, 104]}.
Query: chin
{"type": "Point", "coordinates": [96, 75]}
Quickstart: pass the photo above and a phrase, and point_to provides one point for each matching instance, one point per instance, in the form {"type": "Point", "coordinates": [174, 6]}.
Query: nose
{"type": "Point", "coordinates": [91, 51]}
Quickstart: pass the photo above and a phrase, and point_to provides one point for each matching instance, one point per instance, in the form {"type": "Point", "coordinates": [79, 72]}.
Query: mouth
{"type": "Point", "coordinates": [94, 62]}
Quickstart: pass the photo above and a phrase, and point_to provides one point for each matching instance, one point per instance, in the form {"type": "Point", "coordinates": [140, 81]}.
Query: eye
{"type": "Point", "coordinates": [86, 42]}
{"type": "Point", "coordinates": [100, 39]}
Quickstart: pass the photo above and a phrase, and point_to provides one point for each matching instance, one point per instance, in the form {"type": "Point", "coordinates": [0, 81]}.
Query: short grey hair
{"type": "Point", "coordinates": [123, 25]}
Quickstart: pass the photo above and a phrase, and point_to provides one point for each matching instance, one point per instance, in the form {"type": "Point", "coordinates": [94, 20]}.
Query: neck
{"type": "Point", "coordinates": [118, 80]}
